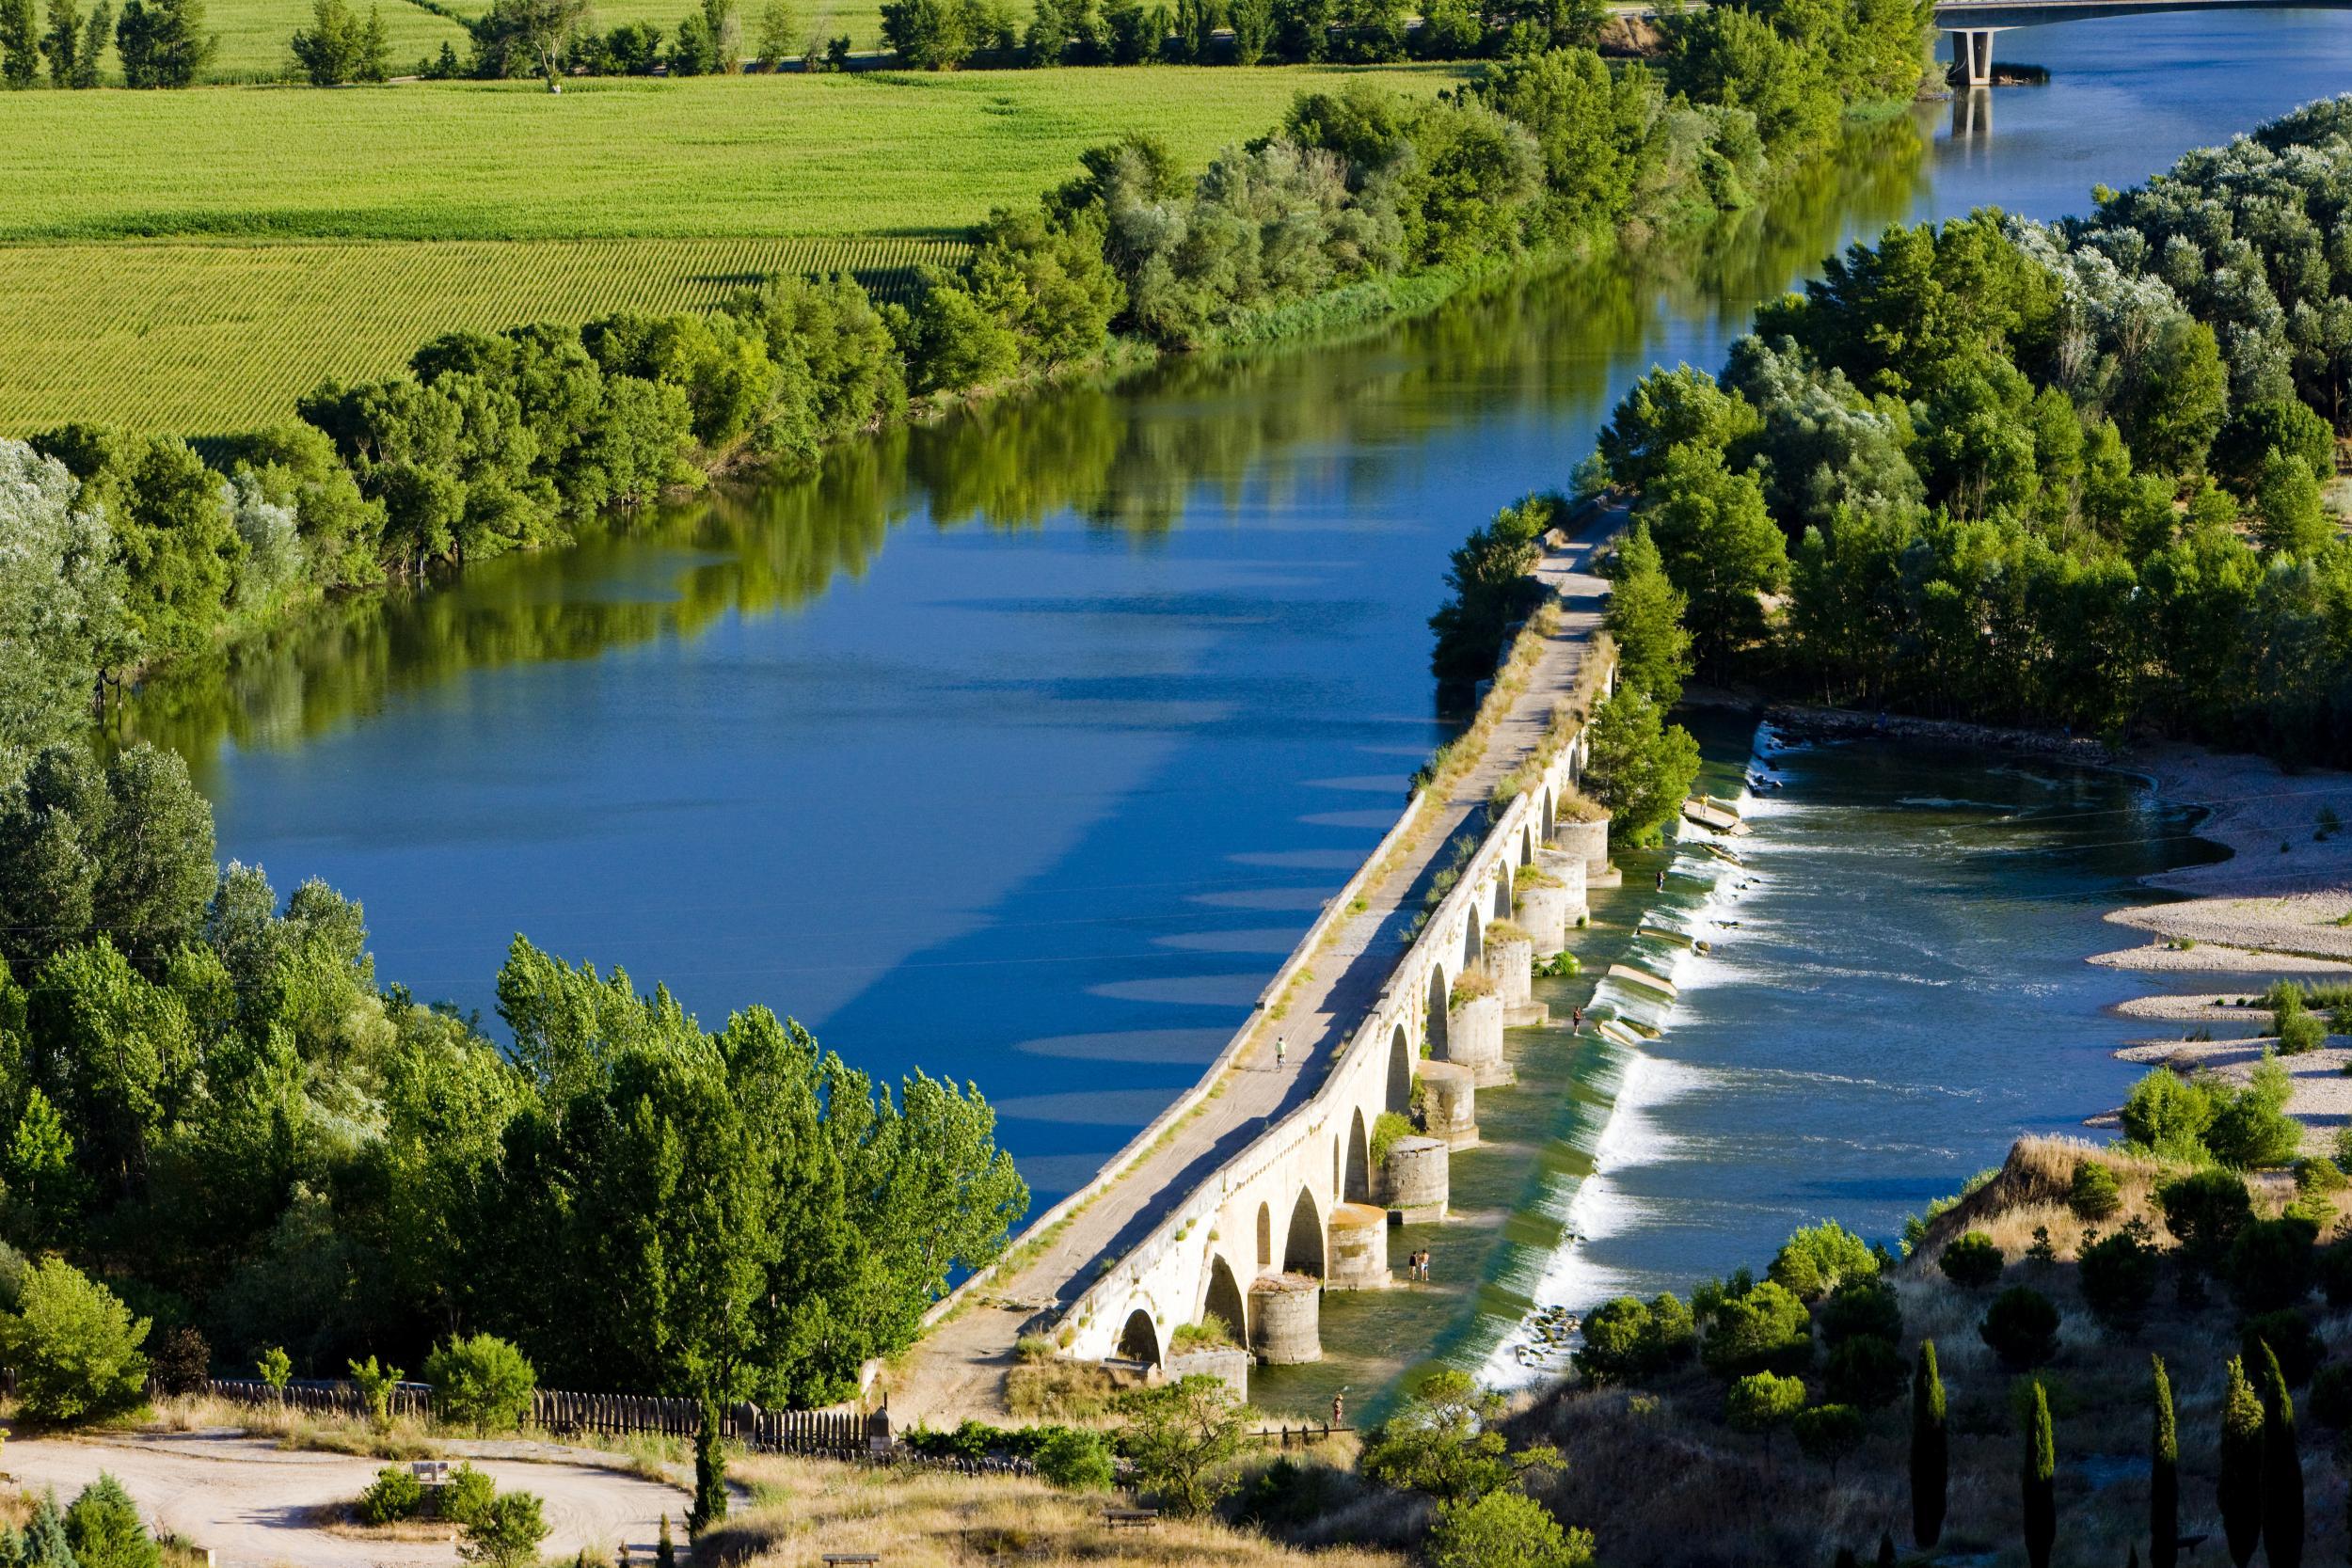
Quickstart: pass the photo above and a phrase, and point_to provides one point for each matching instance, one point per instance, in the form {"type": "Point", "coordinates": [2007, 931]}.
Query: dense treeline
{"type": "Point", "coordinates": [144, 551]}
{"type": "Point", "coordinates": [2067, 475]}
{"type": "Point", "coordinates": [211, 1105]}
{"type": "Point", "coordinates": [158, 43]}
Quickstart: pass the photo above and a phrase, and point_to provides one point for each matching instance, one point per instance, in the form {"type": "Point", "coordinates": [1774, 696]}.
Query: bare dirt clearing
{"type": "Point", "coordinates": [254, 1503]}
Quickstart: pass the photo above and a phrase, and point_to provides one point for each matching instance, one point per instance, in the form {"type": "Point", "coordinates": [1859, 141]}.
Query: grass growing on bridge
{"type": "Point", "coordinates": [192, 261]}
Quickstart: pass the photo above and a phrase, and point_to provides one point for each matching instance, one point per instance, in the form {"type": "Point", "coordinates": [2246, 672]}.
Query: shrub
{"type": "Point", "coordinates": [2271, 1263]}
{"type": "Point", "coordinates": [1033, 1348]}
{"type": "Point", "coordinates": [1763, 1401]}
{"type": "Point", "coordinates": [376, 1387]}
{"type": "Point", "coordinates": [75, 1348]}
{"type": "Point", "coordinates": [2318, 1175]}
{"type": "Point", "coordinates": [1972, 1262]}
{"type": "Point", "coordinates": [1076, 1460]}
{"type": "Point", "coordinates": [2021, 1327]}
{"type": "Point", "coordinates": [483, 1383]}
{"type": "Point", "coordinates": [465, 1498]}
{"type": "Point", "coordinates": [2168, 1114]}
{"type": "Point", "coordinates": [1626, 1340]}
{"type": "Point", "coordinates": [102, 1528]}
{"type": "Point", "coordinates": [2095, 1193]}
{"type": "Point", "coordinates": [1862, 1308]}
{"type": "Point", "coordinates": [1179, 1436]}
{"type": "Point", "coordinates": [2300, 1032]}
{"type": "Point", "coordinates": [1210, 1333]}
{"type": "Point", "coordinates": [276, 1367]}
{"type": "Point", "coordinates": [2292, 1340]}
{"type": "Point", "coordinates": [508, 1532]}
{"type": "Point", "coordinates": [1505, 1530]}
{"type": "Point", "coordinates": [1288, 1496]}
{"type": "Point", "coordinates": [2330, 1402]}
{"type": "Point", "coordinates": [2250, 1127]}
{"type": "Point", "coordinates": [1866, 1372]}
{"type": "Point", "coordinates": [2118, 1278]}
{"type": "Point", "coordinates": [2334, 1269]}
{"type": "Point", "coordinates": [392, 1495]}
{"type": "Point", "coordinates": [1387, 1127]}
{"type": "Point", "coordinates": [1755, 1329]}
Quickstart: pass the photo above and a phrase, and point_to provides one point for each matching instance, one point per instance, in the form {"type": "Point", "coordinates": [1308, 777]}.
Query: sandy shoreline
{"type": "Point", "coordinates": [2279, 907]}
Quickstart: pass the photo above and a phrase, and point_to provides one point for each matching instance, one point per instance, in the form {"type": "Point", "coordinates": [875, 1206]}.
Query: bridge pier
{"type": "Point", "coordinates": [1546, 910]}
{"type": "Point", "coordinates": [1285, 1318]}
{"type": "Point", "coordinates": [1473, 1038]}
{"type": "Point", "coordinates": [1417, 1172]}
{"type": "Point", "coordinates": [1588, 841]}
{"type": "Point", "coordinates": [1510, 964]}
{"type": "Point", "coordinates": [1449, 1104]}
{"type": "Point", "coordinates": [1972, 55]}
{"type": "Point", "coordinates": [1360, 1247]}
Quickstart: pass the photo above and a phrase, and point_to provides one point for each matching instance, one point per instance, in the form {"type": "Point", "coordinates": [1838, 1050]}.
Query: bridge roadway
{"type": "Point", "coordinates": [1089, 1245]}
{"type": "Point", "coordinates": [1973, 23]}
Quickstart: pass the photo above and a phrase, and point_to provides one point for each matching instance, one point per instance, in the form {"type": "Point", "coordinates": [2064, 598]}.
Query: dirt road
{"type": "Point", "coordinates": [255, 1504]}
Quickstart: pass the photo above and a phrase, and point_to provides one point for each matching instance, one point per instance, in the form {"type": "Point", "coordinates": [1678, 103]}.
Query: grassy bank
{"type": "Point", "coordinates": [271, 256]}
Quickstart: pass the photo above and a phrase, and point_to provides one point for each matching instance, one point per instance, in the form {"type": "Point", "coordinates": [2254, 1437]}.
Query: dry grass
{"type": "Point", "coordinates": [1661, 1479]}
{"type": "Point", "coordinates": [1063, 1390]}
{"type": "Point", "coordinates": [405, 1438]}
{"type": "Point", "coordinates": [928, 1519]}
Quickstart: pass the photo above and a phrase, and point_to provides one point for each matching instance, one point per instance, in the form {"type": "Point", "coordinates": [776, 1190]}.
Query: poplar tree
{"type": "Point", "coordinates": [2039, 1479]}
{"type": "Point", "coordinates": [2163, 1476]}
{"type": "Point", "coordinates": [1930, 1450]}
{"type": "Point", "coordinates": [20, 43]}
{"type": "Point", "coordinates": [2239, 1492]}
{"type": "Point", "coordinates": [2282, 1471]}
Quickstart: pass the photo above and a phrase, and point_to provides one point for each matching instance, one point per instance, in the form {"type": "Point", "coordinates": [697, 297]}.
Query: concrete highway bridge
{"type": "Point", "coordinates": [1258, 1189]}
{"type": "Point", "coordinates": [1973, 23]}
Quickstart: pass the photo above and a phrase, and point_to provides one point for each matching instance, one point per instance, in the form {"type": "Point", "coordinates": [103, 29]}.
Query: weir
{"type": "Point", "coordinates": [1256, 1190]}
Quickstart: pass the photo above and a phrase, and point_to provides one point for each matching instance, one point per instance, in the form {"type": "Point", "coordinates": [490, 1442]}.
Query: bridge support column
{"type": "Point", "coordinates": [1587, 840]}
{"type": "Point", "coordinates": [1544, 910]}
{"type": "Point", "coordinates": [1360, 1247]}
{"type": "Point", "coordinates": [1567, 868]}
{"type": "Point", "coordinates": [1449, 1104]}
{"type": "Point", "coordinates": [1417, 1172]}
{"type": "Point", "coordinates": [1511, 964]}
{"type": "Point", "coordinates": [1285, 1318]}
{"type": "Point", "coordinates": [1972, 56]}
{"type": "Point", "coordinates": [1473, 1038]}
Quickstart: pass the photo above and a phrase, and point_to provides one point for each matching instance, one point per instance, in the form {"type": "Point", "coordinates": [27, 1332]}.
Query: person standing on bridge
{"type": "Point", "coordinates": [1281, 1049]}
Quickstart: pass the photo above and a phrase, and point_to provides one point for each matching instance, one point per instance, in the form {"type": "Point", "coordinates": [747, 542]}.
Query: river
{"type": "Point", "coordinates": [1020, 747]}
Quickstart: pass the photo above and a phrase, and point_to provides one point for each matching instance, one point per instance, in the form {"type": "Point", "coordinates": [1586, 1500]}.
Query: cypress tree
{"type": "Point", "coordinates": [2164, 1477]}
{"type": "Point", "coordinates": [2038, 1476]}
{"type": "Point", "coordinates": [2282, 1471]}
{"type": "Point", "coordinates": [665, 1549]}
{"type": "Point", "coordinates": [1930, 1450]}
{"type": "Point", "coordinates": [710, 1473]}
{"type": "Point", "coordinates": [2240, 1490]}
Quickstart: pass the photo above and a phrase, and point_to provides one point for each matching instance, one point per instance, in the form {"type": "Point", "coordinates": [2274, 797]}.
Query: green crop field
{"type": "Point", "coordinates": [194, 260]}
{"type": "Point", "coordinates": [253, 35]}
{"type": "Point", "coordinates": [209, 340]}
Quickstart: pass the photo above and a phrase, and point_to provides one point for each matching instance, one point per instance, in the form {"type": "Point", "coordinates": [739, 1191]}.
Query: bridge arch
{"type": "Point", "coordinates": [1265, 1236]}
{"type": "Point", "coordinates": [1140, 1339]}
{"type": "Point", "coordinates": [1500, 905]}
{"type": "Point", "coordinates": [1357, 1188]}
{"type": "Point", "coordinates": [1552, 821]}
{"type": "Point", "coordinates": [1527, 845]}
{"type": "Point", "coordinates": [1302, 1251]}
{"type": "Point", "coordinates": [1225, 1301]}
{"type": "Point", "coordinates": [1473, 937]}
{"type": "Point", "coordinates": [1400, 1097]}
{"type": "Point", "coordinates": [1440, 996]}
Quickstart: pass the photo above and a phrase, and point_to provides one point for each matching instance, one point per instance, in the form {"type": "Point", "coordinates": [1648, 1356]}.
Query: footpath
{"type": "Point", "coordinates": [957, 1371]}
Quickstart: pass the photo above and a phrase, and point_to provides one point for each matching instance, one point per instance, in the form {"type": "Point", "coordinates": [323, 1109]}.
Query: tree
{"type": "Point", "coordinates": [103, 1527]}
{"type": "Point", "coordinates": [2271, 1263]}
{"type": "Point", "coordinates": [929, 35]}
{"type": "Point", "coordinates": [1443, 1442]}
{"type": "Point", "coordinates": [2168, 1115]}
{"type": "Point", "coordinates": [1075, 1459]}
{"type": "Point", "coordinates": [665, 1549]}
{"type": "Point", "coordinates": [377, 1384]}
{"type": "Point", "coordinates": [1179, 1436]}
{"type": "Point", "coordinates": [2282, 1471]}
{"type": "Point", "coordinates": [339, 47]}
{"type": "Point", "coordinates": [1826, 1433]}
{"type": "Point", "coordinates": [161, 43]}
{"type": "Point", "coordinates": [1719, 545]}
{"type": "Point", "coordinates": [75, 43]}
{"type": "Point", "coordinates": [1816, 1260]}
{"type": "Point", "coordinates": [1644, 615]}
{"type": "Point", "coordinates": [2117, 1274]}
{"type": "Point", "coordinates": [779, 34]}
{"type": "Point", "coordinates": [2095, 1194]}
{"type": "Point", "coordinates": [2039, 1481]}
{"type": "Point", "coordinates": [1490, 574]}
{"type": "Point", "coordinates": [75, 1348]}
{"type": "Point", "coordinates": [2204, 1211]}
{"type": "Point", "coordinates": [1754, 1327]}
{"type": "Point", "coordinates": [1625, 1340]}
{"type": "Point", "coordinates": [482, 1382]}
{"type": "Point", "coordinates": [61, 615]}
{"type": "Point", "coordinates": [1642, 767]}
{"type": "Point", "coordinates": [20, 43]}
{"type": "Point", "coordinates": [517, 37]}
{"type": "Point", "coordinates": [275, 1367]}
{"type": "Point", "coordinates": [2021, 1327]}
{"type": "Point", "coordinates": [1931, 1451]}
{"type": "Point", "coordinates": [2290, 517]}
{"type": "Point", "coordinates": [2164, 1473]}
{"type": "Point", "coordinates": [508, 1532]}
{"type": "Point", "coordinates": [1763, 1403]}
{"type": "Point", "coordinates": [710, 1473]}
{"type": "Point", "coordinates": [1504, 1530]}
{"type": "Point", "coordinates": [2240, 1487]}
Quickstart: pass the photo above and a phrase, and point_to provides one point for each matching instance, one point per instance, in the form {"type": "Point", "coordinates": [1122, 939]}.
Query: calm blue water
{"type": "Point", "coordinates": [1019, 749]}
